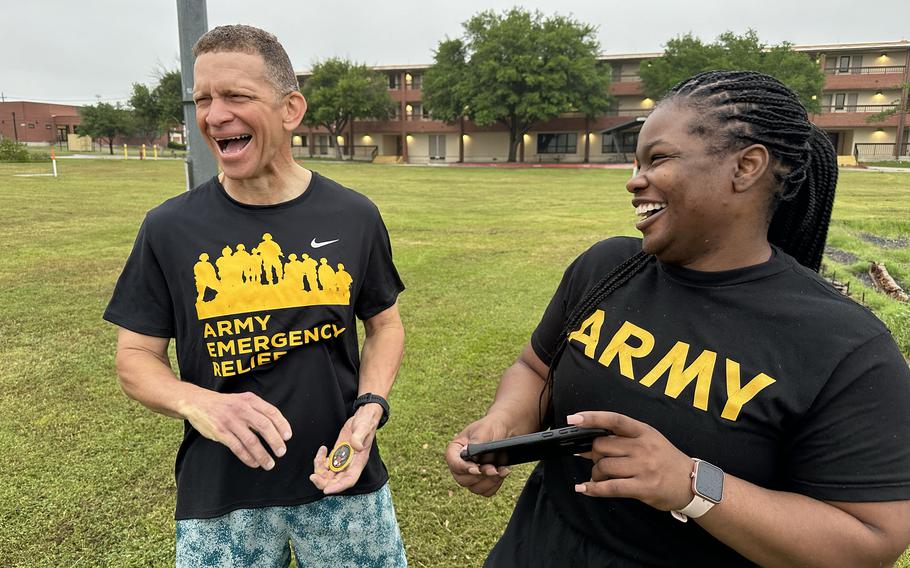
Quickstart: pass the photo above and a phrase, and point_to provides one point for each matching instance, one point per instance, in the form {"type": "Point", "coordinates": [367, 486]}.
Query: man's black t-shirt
{"type": "Point", "coordinates": [261, 299]}
{"type": "Point", "coordinates": [765, 371]}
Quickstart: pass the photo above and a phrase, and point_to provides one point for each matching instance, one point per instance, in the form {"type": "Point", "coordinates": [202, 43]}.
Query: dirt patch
{"type": "Point", "coordinates": [840, 256]}
{"type": "Point", "coordinates": [885, 242]}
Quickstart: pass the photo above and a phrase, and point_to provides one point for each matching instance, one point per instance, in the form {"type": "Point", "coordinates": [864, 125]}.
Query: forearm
{"type": "Point", "coordinates": [147, 378]}
{"type": "Point", "coordinates": [774, 528]}
{"type": "Point", "coordinates": [519, 400]}
{"type": "Point", "coordinates": [381, 357]}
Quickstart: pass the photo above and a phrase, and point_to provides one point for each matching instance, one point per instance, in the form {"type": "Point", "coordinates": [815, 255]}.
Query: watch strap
{"type": "Point", "coordinates": [368, 398]}
{"type": "Point", "coordinates": [697, 507]}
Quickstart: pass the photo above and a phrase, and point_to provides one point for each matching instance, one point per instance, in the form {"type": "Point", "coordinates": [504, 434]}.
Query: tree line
{"type": "Point", "coordinates": [149, 113]}
{"type": "Point", "coordinates": [515, 68]}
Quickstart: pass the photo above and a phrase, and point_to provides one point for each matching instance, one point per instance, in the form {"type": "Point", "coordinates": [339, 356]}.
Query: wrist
{"type": "Point", "coordinates": [371, 411]}
{"type": "Point", "coordinates": [373, 403]}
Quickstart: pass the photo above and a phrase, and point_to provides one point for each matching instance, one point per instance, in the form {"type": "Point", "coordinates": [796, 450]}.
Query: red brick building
{"type": "Point", "coordinates": [37, 123]}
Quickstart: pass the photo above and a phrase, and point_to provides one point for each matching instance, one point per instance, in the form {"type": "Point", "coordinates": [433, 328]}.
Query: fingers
{"type": "Point", "coordinates": [620, 424]}
{"type": "Point", "coordinates": [610, 488]}
{"type": "Point", "coordinates": [613, 468]}
{"type": "Point", "coordinates": [269, 422]}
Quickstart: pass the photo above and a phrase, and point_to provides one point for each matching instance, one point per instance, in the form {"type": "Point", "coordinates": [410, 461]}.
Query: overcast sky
{"type": "Point", "coordinates": [78, 52]}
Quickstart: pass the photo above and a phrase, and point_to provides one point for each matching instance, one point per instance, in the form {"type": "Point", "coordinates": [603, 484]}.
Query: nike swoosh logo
{"type": "Point", "coordinates": [316, 244]}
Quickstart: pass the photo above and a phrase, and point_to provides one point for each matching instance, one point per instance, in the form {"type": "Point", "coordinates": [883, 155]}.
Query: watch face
{"type": "Point", "coordinates": [709, 481]}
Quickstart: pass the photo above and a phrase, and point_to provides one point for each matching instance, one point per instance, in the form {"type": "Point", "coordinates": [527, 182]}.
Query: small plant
{"type": "Point", "coordinates": [12, 151]}
{"type": "Point", "coordinates": [176, 145]}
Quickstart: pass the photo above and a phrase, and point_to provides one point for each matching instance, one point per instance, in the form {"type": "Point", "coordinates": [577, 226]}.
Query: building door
{"type": "Point", "coordinates": [437, 146]}
{"type": "Point", "coordinates": [834, 137]}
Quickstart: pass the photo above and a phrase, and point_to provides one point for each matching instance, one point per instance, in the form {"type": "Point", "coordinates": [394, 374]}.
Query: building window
{"type": "Point", "coordinates": [843, 64]}
{"type": "Point", "coordinates": [416, 81]}
{"type": "Point", "coordinates": [619, 142]}
{"type": "Point", "coordinates": [31, 124]}
{"type": "Point", "coordinates": [426, 114]}
{"type": "Point", "coordinates": [395, 114]}
{"type": "Point", "coordinates": [394, 81]}
{"type": "Point", "coordinates": [839, 100]}
{"type": "Point", "coordinates": [415, 111]}
{"type": "Point", "coordinates": [437, 146]}
{"type": "Point", "coordinates": [561, 143]}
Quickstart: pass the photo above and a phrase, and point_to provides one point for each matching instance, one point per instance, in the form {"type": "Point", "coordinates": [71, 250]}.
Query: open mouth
{"type": "Point", "coordinates": [233, 144]}
{"type": "Point", "coordinates": [647, 210]}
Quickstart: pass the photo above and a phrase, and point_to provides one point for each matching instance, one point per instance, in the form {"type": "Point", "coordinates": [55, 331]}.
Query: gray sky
{"type": "Point", "coordinates": [74, 52]}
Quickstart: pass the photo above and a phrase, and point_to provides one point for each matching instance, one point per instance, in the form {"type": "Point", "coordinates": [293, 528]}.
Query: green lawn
{"type": "Point", "coordinates": [87, 475]}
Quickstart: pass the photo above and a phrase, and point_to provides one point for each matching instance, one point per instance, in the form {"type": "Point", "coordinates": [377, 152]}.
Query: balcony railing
{"type": "Point", "coordinates": [866, 151]}
{"type": "Point", "coordinates": [857, 108]}
{"type": "Point", "coordinates": [872, 70]}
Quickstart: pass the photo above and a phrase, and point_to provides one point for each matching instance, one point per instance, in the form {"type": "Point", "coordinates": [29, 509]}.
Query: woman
{"type": "Point", "coordinates": [712, 338]}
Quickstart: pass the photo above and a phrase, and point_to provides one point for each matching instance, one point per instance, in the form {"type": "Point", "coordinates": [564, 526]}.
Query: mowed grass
{"type": "Point", "coordinates": [87, 475]}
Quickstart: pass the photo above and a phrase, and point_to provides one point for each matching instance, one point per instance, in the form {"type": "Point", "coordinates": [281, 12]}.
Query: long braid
{"type": "Point", "coordinates": [592, 298]}
{"type": "Point", "coordinates": [738, 108]}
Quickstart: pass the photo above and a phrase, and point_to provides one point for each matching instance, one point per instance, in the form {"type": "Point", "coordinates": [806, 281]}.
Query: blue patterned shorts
{"type": "Point", "coordinates": [357, 531]}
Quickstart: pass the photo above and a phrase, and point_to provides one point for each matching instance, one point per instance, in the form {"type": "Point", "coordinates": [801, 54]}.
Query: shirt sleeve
{"type": "Point", "coordinates": [381, 283]}
{"type": "Point", "coordinates": [854, 443]}
{"type": "Point", "coordinates": [545, 337]}
{"type": "Point", "coordinates": [141, 301]}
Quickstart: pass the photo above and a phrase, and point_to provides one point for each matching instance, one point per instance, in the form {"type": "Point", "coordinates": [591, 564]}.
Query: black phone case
{"type": "Point", "coordinates": [534, 447]}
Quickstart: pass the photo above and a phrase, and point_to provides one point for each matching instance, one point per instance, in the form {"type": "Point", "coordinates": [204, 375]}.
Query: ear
{"type": "Point", "coordinates": [752, 164]}
{"type": "Point", "coordinates": [294, 109]}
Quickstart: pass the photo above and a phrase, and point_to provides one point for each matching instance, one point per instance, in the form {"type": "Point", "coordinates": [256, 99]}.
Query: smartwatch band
{"type": "Point", "coordinates": [368, 398]}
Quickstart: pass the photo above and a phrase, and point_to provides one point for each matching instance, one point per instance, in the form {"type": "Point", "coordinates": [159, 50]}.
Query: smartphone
{"type": "Point", "coordinates": [534, 447]}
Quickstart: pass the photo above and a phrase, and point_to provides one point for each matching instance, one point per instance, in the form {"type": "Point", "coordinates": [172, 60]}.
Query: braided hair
{"type": "Point", "coordinates": [737, 109]}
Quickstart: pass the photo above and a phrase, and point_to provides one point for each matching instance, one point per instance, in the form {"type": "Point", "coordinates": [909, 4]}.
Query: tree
{"type": "Point", "coordinates": [146, 115]}
{"type": "Point", "coordinates": [340, 91]}
{"type": "Point", "coordinates": [105, 121]}
{"type": "Point", "coordinates": [517, 69]}
{"type": "Point", "coordinates": [443, 95]}
{"type": "Point", "coordinates": [157, 110]}
{"type": "Point", "coordinates": [686, 55]}
{"type": "Point", "coordinates": [170, 101]}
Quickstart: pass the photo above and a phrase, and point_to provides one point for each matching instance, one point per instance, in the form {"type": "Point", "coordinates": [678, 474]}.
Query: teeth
{"type": "Point", "coordinates": [233, 138]}
{"type": "Point", "coordinates": [646, 208]}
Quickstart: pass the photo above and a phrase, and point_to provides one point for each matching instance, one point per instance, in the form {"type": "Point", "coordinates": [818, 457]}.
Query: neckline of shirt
{"type": "Point", "coordinates": [774, 265]}
{"type": "Point", "coordinates": [315, 180]}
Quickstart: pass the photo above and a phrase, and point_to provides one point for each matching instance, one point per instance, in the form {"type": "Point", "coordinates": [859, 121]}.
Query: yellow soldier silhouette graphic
{"type": "Point", "coordinates": [229, 272]}
{"type": "Point", "coordinates": [309, 272]}
{"type": "Point", "coordinates": [236, 279]}
{"type": "Point", "coordinates": [326, 276]}
{"type": "Point", "coordinates": [293, 273]}
{"type": "Point", "coordinates": [271, 258]}
{"type": "Point", "coordinates": [254, 270]}
{"type": "Point", "coordinates": [243, 260]}
{"type": "Point", "coordinates": [205, 276]}
{"type": "Point", "coordinates": [343, 280]}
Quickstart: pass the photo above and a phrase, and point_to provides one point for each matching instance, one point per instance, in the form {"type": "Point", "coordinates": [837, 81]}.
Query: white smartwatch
{"type": "Point", "coordinates": [708, 487]}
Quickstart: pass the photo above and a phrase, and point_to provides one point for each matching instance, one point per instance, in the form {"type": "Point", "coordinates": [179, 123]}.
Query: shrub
{"type": "Point", "coordinates": [12, 151]}
{"type": "Point", "coordinates": [176, 145]}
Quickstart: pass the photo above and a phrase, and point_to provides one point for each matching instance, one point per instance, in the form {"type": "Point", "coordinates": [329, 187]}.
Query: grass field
{"type": "Point", "coordinates": [87, 475]}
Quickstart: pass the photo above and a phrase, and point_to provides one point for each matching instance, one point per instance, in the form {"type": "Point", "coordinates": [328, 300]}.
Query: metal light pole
{"type": "Point", "coordinates": [192, 23]}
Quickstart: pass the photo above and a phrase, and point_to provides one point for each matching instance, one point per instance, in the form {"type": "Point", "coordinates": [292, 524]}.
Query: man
{"type": "Point", "coordinates": [270, 376]}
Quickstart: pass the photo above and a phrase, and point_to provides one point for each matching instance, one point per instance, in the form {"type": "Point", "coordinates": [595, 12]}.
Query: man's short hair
{"type": "Point", "coordinates": [253, 41]}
